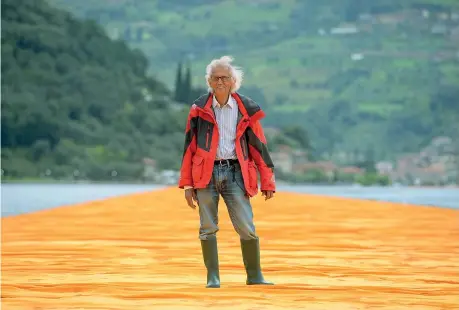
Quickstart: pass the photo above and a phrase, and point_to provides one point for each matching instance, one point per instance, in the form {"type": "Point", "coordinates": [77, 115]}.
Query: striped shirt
{"type": "Point", "coordinates": [226, 117]}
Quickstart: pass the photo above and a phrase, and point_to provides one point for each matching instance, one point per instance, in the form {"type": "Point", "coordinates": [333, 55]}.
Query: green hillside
{"type": "Point", "coordinates": [77, 105]}
{"type": "Point", "coordinates": [390, 86]}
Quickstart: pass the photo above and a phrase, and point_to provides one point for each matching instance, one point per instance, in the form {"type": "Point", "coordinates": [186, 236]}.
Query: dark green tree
{"type": "Point", "coordinates": [187, 85]}
{"type": "Point", "coordinates": [298, 134]}
{"type": "Point", "coordinates": [178, 91]}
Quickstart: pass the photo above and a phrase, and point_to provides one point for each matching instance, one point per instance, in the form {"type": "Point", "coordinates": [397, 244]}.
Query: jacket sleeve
{"type": "Point", "coordinates": [258, 150]}
{"type": "Point", "coordinates": [189, 149]}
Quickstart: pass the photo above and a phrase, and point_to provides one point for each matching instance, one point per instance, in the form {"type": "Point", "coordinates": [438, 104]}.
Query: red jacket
{"type": "Point", "coordinates": [201, 142]}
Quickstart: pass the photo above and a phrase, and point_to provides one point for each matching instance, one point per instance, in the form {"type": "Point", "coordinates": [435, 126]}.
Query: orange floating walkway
{"type": "Point", "coordinates": [142, 252]}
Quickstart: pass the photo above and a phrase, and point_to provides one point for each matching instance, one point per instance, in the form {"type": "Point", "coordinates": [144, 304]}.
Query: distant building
{"type": "Point", "coordinates": [328, 167]}
{"type": "Point", "coordinates": [435, 164]}
{"type": "Point", "coordinates": [357, 56]}
{"type": "Point", "coordinates": [351, 29]}
{"type": "Point", "coordinates": [352, 170]}
{"type": "Point", "coordinates": [384, 168]}
{"type": "Point", "coordinates": [432, 175]}
{"type": "Point", "coordinates": [149, 170]}
{"type": "Point", "coordinates": [282, 161]}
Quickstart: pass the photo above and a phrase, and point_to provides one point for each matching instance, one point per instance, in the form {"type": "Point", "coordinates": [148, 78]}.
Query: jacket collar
{"type": "Point", "coordinates": [247, 107]}
{"type": "Point", "coordinates": [229, 103]}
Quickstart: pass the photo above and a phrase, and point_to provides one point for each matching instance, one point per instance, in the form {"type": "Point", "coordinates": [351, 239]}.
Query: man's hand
{"type": "Point", "coordinates": [267, 194]}
{"type": "Point", "coordinates": [190, 195]}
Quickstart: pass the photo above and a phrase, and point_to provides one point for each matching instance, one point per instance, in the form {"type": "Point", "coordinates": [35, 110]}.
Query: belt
{"type": "Point", "coordinates": [227, 162]}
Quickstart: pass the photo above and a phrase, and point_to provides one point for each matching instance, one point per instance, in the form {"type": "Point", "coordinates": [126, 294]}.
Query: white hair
{"type": "Point", "coordinates": [225, 61]}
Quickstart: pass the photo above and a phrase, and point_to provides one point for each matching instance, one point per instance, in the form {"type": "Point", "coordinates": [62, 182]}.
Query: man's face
{"type": "Point", "coordinates": [221, 80]}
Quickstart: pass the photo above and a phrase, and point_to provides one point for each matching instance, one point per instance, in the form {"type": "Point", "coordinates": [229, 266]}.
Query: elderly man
{"type": "Point", "coordinates": [224, 146]}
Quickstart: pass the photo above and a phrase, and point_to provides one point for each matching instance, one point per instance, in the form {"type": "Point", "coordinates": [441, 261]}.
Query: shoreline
{"type": "Point", "coordinates": [20, 198]}
{"type": "Point", "coordinates": [279, 182]}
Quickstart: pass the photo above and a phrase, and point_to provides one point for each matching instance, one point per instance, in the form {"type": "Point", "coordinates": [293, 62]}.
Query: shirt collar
{"type": "Point", "coordinates": [230, 102]}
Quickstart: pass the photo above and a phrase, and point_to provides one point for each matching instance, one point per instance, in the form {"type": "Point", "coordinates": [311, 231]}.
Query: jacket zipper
{"type": "Point", "coordinates": [243, 148]}
{"type": "Point", "coordinates": [207, 137]}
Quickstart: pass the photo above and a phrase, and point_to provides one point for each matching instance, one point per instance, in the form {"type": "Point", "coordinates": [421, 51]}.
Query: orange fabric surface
{"type": "Point", "coordinates": [142, 252]}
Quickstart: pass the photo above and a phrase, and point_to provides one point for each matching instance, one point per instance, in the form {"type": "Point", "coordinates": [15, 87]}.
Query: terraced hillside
{"type": "Point", "coordinates": [357, 75]}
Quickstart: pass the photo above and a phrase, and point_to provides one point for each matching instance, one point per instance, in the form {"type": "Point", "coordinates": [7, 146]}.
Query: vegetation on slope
{"type": "Point", "coordinates": [389, 87]}
{"type": "Point", "coordinates": [79, 105]}
{"type": "Point", "coordinates": [76, 104]}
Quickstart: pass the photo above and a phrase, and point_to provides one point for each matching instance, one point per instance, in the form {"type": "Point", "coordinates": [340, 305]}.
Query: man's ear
{"type": "Point", "coordinates": [233, 81]}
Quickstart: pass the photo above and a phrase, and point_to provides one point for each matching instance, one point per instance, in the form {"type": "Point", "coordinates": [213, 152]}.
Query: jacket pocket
{"type": "Point", "coordinates": [253, 175]}
{"type": "Point", "coordinates": [204, 135]}
{"type": "Point", "coordinates": [196, 168]}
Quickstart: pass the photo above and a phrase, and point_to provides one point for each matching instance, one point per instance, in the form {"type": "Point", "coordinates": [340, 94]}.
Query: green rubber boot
{"type": "Point", "coordinates": [251, 257]}
{"type": "Point", "coordinates": [210, 255]}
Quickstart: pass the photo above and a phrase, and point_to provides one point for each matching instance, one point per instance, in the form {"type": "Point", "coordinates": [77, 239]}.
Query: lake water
{"type": "Point", "coordinates": [24, 198]}
{"type": "Point", "coordinates": [440, 197]}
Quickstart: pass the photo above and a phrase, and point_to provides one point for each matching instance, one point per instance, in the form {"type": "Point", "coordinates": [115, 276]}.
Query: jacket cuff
{"type": "Point", "coordinates": [185, 182]}
{"type": "Point", "coordinates": [268, 186]}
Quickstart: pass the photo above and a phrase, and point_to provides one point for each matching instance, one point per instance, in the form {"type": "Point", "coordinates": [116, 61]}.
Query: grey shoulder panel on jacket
{"type": "Point", "coordinates": [251, 106]}
{"type": "Point", "coordinates": [201, 100]}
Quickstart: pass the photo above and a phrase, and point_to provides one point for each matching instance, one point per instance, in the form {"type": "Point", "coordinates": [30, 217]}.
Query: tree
{"type": "Point", "coordinates": [368, 163]}
{"type": "Point", "coordinates": [187, 85]}
{"type": "Point", "coordinates": [184, 90]}
{"type": "Point", "coordinates": [298, 134]}
{"type": "Point", "coordinates": [178, 95]}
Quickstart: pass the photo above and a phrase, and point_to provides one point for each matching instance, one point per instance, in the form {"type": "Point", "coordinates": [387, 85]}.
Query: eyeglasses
{"type": "Point", "coordinates": [224, 78]}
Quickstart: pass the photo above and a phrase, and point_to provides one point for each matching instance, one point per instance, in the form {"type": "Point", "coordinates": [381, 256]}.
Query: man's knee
{"type": "Point", "coordinates": [206, 235]}
{"type": "Point", "coordinates": [246, 231]}
{"type": "Point", "coordinates": [207, 228]}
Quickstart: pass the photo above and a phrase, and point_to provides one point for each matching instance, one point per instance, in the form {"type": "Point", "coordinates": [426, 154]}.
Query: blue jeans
{"type": "Point", "coordinates": [226, 181]}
